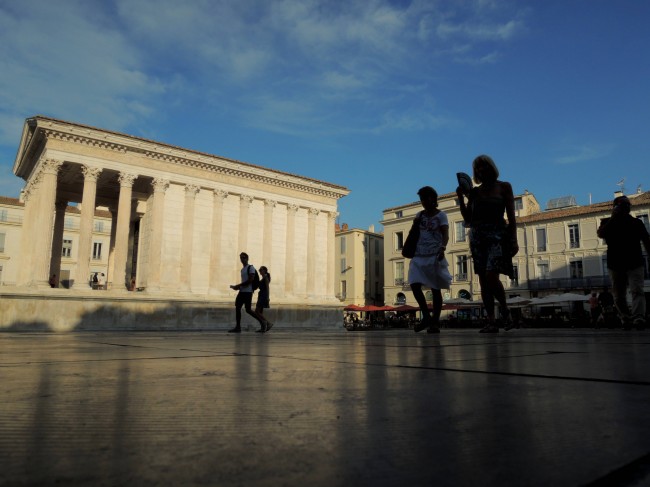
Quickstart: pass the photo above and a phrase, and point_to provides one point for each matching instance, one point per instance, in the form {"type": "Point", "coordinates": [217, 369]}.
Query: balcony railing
{"type": "Point", "coordinates": [399, 281]}
{"type": "Point", "coordinates": [569, 283]}
{"type": "Point", "coordinates": [461, 277]}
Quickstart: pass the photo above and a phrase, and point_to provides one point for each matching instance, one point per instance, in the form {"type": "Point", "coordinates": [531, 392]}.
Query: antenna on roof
{"type": "Point", "coordinates": [621, 184]}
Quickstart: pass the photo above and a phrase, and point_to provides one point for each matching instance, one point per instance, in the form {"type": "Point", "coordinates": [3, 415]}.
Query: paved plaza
{"type": "Point", "coordinates": [333, 408]}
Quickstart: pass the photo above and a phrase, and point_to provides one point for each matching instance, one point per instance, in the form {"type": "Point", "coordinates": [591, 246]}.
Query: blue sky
{"type": "Point", "coordinates": [380, 96]}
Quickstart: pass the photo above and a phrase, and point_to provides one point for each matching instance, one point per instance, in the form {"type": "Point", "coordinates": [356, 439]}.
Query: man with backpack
{"type": "Point", "coordinates": [250, 281]}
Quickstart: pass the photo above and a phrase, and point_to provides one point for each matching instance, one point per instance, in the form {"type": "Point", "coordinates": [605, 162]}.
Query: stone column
{"type": "Point", "coordinates": [267, 250]}
{"type": "Point", "coordinates": [155, 247]}
{"type": "Point", "coordinates": [290, 249]}
{"type": "Point", "coordinates": [331, 253]}
{"type": "Point", "coordinates": [311, 251]}
{"type": "Point", "coordinates": [91, 174]}
{"type": "Point", "coordinates": [57, 238]}
{"type": "Point", "coordinates": [29, 230]}
{"type": "Point", "coordinates": [111, 249]}
{"type": "Point", "coordinates": [217, 284]}
{"type": "Point", "coordinates": [187, 242]}
{"type": "Point", "coordinates": [122, 230]}
{"type": "Point", "coordinates": [244, 206]}
{"type": "Point", "coordinates": [42, 256]}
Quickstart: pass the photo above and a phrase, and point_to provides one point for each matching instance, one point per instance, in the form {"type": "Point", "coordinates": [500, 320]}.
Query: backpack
{"type": "Point", "coordinates": [256, 280]}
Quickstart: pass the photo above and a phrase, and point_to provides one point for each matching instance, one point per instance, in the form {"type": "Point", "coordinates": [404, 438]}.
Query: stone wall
{"type": "Point", "coordinates": [55, 310]}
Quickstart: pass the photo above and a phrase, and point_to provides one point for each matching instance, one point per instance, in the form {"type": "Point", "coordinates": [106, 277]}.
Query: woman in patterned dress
{"type": "Point", "coordinates": [492, 242]}
{"type": "Point", "coordinates": [429, 267]}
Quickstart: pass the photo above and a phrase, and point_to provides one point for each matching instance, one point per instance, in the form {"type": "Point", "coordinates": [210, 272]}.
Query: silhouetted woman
{"type": "Point", "coordinates": [492, 242]}
{"type": "Point", "coordinates": [264, 299]}
{"type": "Point", "coordinates": [429, 267]}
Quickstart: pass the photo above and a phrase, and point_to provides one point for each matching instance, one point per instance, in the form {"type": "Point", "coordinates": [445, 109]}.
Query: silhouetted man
{"type": "Point", "coordinates": [624, 234]}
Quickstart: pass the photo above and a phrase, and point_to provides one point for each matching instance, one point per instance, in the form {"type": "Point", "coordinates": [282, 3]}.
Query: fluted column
{"type": "Point", "coordinates": [42, 256]}
{"type": "Point", "coordinates": [217, 283]}
{"type": "Point", "coordinates": [187, 242]}
{"type": "Point", "coordinates": [155, 248]}
{"type": "Point", "coordinates": [311, 251]}
{"type": "Point", "coordinates": [331, 253]}
{"type": "Point", "coordinates": [111, 249]}
{"type": "Point", "coordinates": [267, 250]}
{"type": "Point", "coordinates": [292, 210]}
{"type": "Point", "coordinates": [91, 174]}
{"type": "Point", "coordinates": [122, 230]}
{"type": "Point", "coordinates": [245, 202]}
{"type": "Point", "coordinates": [57, 238]}
{"type": "Point", "coordinates": [30, 197]}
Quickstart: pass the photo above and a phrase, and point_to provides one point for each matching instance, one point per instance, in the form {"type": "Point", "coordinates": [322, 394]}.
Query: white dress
{"type": "Point", "coordinates": [425, 267]}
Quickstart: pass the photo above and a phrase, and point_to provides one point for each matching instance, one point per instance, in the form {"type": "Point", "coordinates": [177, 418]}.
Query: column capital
{"type": "Point", "coordinates": [246, 199]}
{"type": "Point", "coordinates": [91, 173]}
{"type": "Point", "coordinates": [313, 212]}
{"type": "Point", "coordinates": [192, 190]}
{"type": "Point", "coordinates": [160, 185]}
{"type": "Point", "coordinates": [332, 215]}
{"type": "Point", "coordinates": [292, 207]}
{"type": "Point", "coordinates": [270, 203]}
{"type": "Point", "coordinates": [220, 193]}
{"type": "Point", "coordinates": [51, 166]}
{"type": "Point", "coordinates": [127, 179]}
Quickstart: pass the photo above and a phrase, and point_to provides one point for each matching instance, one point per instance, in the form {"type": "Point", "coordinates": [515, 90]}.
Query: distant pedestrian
{"type": "Point", "coordinates": [492, 242]}
{"type": "Point", "coordinates": [594, 308]}
{"type": "Point", "coordinates": [429, 267]}
{"type": "Point", "coordinates": [624, 235]}
{"type": "Point", "coordinates": [245, 294]}
{"type": "Point", "coordinates": [264, 299]}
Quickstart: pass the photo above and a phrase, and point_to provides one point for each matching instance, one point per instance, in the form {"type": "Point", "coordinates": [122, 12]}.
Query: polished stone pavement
{"type": "Point", "coordinates": [382, 408]}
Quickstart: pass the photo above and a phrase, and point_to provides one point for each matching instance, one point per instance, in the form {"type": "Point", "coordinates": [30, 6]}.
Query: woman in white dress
{"type": "Point", "coordinates": [429, 267]}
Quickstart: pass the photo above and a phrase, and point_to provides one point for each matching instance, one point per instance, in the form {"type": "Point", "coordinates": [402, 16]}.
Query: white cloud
{"type": "Point", "coordinates": [65, 63]}
{"type": "Point", "coordinates": [584, 153]}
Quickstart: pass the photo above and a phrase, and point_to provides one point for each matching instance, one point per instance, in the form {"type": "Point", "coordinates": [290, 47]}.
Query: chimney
{"type": "Point", "coordinates": [345, 227]}
{"type": "Point", "coordinates": [371, 228]}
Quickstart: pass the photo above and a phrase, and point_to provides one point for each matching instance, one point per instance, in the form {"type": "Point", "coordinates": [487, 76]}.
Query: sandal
{"type": "Point", "coordinates": [508, 323]}
{"type": "Point", "coordinates": [489, 329]}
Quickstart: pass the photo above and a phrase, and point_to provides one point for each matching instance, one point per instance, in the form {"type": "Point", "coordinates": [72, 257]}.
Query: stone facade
{"type": "Point", "coordinates": [571, 258]}
{"type": "Point", "coordinates": [179, 218]}
{"type": "Point", "coordinates": [359, 266]}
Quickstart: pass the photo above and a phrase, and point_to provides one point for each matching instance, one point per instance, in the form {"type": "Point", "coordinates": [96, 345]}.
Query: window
{"type": "Point", "coordinates": [644, 219]}
{"type": "Point", "coordinates": [399, 240]}
{"type": "Point", "coordinates": [97, 250]}
{"type": "Point", "coordinates": [540, 234]}
{"type": "Point", "coordinates": [3, 215]}
{"type": "Point", "coordinates": [519, 204]}
{"type": "Point", "coordinates": [2, 242]}
{"type": "Point", "coordinates": [461, 234]}
{"type": "Point", "coordinates": [343, 265]}
{"type": "Point", "coordinates": [67, 248]}
{"type": "Point", "coordinates": [461, 267]}
{"type": "Point", "coordinates": [515, 275]}
{"type": "Point", "coordinates": [68, 223]}
{"type": "Point", "coordinates": [399, 214]}
{"type": "Point", "coordinates": [575, 269]}
{"type": "Point", "coordinates": [99, 226]}
{"type": "Point", "coordinates": [376, 267]}
{"type": "Point", "coordinates": [574, 236]}
{"type": "Point", "coordinates": [376, 247]}
{"type": "Point", "coordinates": [344, 289]}
{"type": "Point", "coordinates": [399, 273]}
{"type": "Point", "coordinates": [542, 270]}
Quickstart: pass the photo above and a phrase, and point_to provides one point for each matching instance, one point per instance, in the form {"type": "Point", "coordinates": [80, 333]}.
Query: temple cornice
{"type": "Point", "coordinates": [40, 129]}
